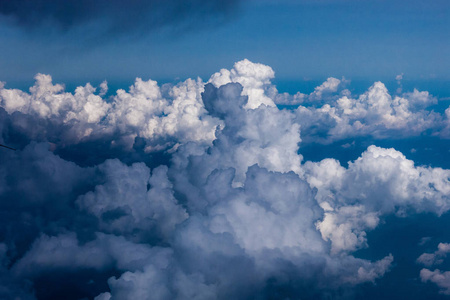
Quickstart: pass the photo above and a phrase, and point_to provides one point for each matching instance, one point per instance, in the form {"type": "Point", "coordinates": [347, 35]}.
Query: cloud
{"type": "Point", "coordinates": [247, 233]}
{"type": "Point", "coordinates": [197, 190]}
{"type": "Point", "coordinates": [116, 17]}
{"type": "Point", "coordinates": [134, 204]}
{"type": "Point", "coordinates": [106, 251]}
{"type": "Point", "coordinates": [380, 182]}
{"type": "Point", "coordinates": [48, 113]}
{"type": "Point", "coordinates": [254, 78]}
{"type": "Point", "coordinates": [163, 117]}
{"type": "Point", "coordinates": [441, 279]}
{"type": "Point", "coordinates": [438, 277]}
{"type": "Point", "coordinates": [326, 92]}
{"type": "Point", "coordinates": [11, 288]}
{"type": "Point", "coordinates": [332, 113]}
{"type": "Point", "coordinates": [328, 87]}
{"type": "Point", "coordinates": [429, 259]}
{"type": "Point", "coordinates": [375, 113]}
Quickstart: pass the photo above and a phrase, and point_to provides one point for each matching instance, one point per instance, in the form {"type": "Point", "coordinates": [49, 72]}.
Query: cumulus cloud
{"type": "Point", "coordinates": [145, 113]}
{"type": "Point", "coordinates": [79, 114]}
{"type": "Point", "coordinates": [375, 113]}
{"type": "Point", "coordinates": [328, 87]}
{"type": "Point", "coordinates": [429, 259]}
{"type": "Point", "coordinates": [247, 233]}
{"type": "Point", "coordinates": [254, 78]}
{"type": "Point", "coordinates": [48, 113]}
{"type": "Point", "coordinates": [230, 211]}
{"type": "Point", "coordinates": [332, 113]}
{"type": "Point", "coordinates": [445, 133]}
{"type": "Point", "coordinates": [106, 251]}
{"type": "Point", "coordinates": [134, 204]}
{"type": "Point", "coordinates": [438, 277]}
{"type": "Point", "coordinates": [328, 91]}
{"type": "Point", "coordinates": [167, 116]}
{"type": "Point", "coordinates": [380, 182]}
{"type": "Point", "coordinates": [265, 135]}
{"type": "Point", "coordinates": [441, 279]}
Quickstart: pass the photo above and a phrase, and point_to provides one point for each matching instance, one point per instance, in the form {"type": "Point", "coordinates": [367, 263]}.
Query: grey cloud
{"type": "Point", "coordinates": [134, 204]}
{"type": "Point", "coordinates": [231, 211]}
{"type": "Point", "coordinates": [116, 16]}
{"type": "Point", "coordinates": [10, 287]}
{"type": "Point", "coordinates": [429, 259]}
{"type": "Point", "coordinates": [438, 277]}
{"type": "Point", "coordinates": [105, 251]}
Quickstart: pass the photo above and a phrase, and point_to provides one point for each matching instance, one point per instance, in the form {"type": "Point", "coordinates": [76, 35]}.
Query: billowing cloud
{"type": "Point", "coordinates": [131, 202]}
{"type": "Point", "coordinates": [254, 78]}
{"type": "Point", "coordinates": [48, 113]}
{"type": "Point", "coordinates": [380, 182]}
{"type": "Point", "coordinates": [198, 190]}
{"type": "Point", "coordinates": [375, 113]}
{"type": "Point", "coordinates": [171, 115]}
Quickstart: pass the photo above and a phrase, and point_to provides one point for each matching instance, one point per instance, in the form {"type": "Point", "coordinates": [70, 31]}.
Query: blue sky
{"type": "Point", "coordinates": [371, 40]}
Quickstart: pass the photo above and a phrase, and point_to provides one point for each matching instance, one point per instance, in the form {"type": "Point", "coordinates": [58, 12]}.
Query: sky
{"type": "Point", "coordinates": [224, 149]}
{"type": "Point", "coordinates": [361, 40]}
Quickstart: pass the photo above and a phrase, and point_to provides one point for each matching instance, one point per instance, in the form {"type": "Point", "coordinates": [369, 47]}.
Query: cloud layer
{"type": "Point", "coordinates": [198, 190]}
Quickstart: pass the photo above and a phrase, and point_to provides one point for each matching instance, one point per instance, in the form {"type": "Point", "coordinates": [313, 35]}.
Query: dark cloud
{"type": "Point", "coordinates": [118, 16]}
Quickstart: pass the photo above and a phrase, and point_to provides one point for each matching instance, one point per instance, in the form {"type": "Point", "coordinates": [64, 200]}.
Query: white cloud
{"type": "Point", "coordinates": [254, 78]}
{"type": "Point", "coordinates": [374, 113]}
{"type": "Point", "coordinates": [170, 115]}
{"type": "Point", "coordinates": [326, 92]}
{"type": "Point", "coordinates": [232, 207]}
{"type": "Point", "coordinates": [329, 86]}
{"type": "Point", "coordinates": [142, 111]}
{"type": "Point", "coordinates": [381, 181]}
{"type": "Point", "coordinates": [265, 136]}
